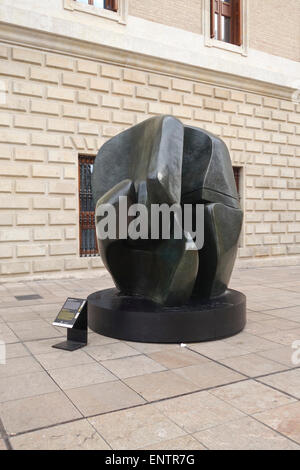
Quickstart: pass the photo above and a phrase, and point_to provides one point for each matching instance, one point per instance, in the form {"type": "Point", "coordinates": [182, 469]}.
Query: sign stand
{"type": "Point", "coordinates": [73, 316]}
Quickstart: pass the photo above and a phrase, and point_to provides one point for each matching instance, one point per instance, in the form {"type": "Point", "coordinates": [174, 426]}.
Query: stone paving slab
{"type": "Point", "coordinates": [236, 393]}
{"type": "Point", "coordinates": [78, 435]}
{"type": "Point", "coordinates": [247, 434]}
{"type": "Point", "coordinates": [37, 412]}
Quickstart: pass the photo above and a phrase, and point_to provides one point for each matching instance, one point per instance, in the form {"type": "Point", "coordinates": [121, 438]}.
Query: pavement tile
{"type": "Point", "coordinates": [14, 350]}
{"type": "Point", "coordinates": [2, 445]}
{"type": "Point", "coordinates": [7, 335]}
{"type": "Point", "coordinates": [288, 382]}
{"type": "Point", "coordinates": [132, 366]}
{"type": "Point", "coordinates": [251, 397]}
{"type": "Point", "coordinates": [257, 306]}
{"type": "Point", "coordinates": [26, 385]}
{"type": "Point", "coordinates": [160, 385]}
{"type": "Point", "coordinates": [78, 435]}
{"type": "Point", "coordinates": [281, 354]}
{"type": "Point", "coordinates": [270, 326]}
{"type": "Point", "coordinates": [19, 366]}
{"type": "Point", "coordinates": [258, 316]}
{"type": "Point", "coordinates": [250, 343]}
{"type": "Point", "coordinates": [217, 350]}
{"type": "Point", "coordinates": [98, 340]}
{"type": "Point", "coordinates": [60, 359]}
{"type": "Point", "coordinates": [285, 420]}
{"type": "Point", "coordinates": [47, 310]}
{"type": "Point", "coordinates": [103, 398]}
{"type": "Point", "coordinates": [43, 346]}
{"type": "Point", "coordinates": [111, 351]}
{"type": "Point", "coordinates": [180, 443]}
{"type": "Point", "coordinates": [286, 338]}
{"type": "Point", "coordinates": [253, 365]}
{"type": "Point", "coordinates": [35, 412]}
{"type": "Point", "coordinates": [290, 314]}
{"type": "Point", "coordinates": [15, 314]}
{"type": "Point", "coordinates": [135, 428]}
{"type": "Point", "coordinates": [81, 376]}
{"type": "Point", "coordinates": [174, 359]}
{"type": "Point", "coordinates": [147, 348]}
{"type": "Point", "coordinates": [209, 374]}
{"type": "Point", "coordinates": [198, 411]}
{"type": "Point", "coordinates": [33, 329]}
{"type": "Point", "coordinates": [244, 434]}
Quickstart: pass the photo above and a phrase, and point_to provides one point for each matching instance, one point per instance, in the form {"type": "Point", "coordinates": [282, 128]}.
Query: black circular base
{"type": "Point", "coordinates": [135, 319]}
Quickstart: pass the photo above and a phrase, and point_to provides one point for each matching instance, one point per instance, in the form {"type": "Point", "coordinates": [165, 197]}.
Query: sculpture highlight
{"type": "Point", "coordinates": [167, 289]}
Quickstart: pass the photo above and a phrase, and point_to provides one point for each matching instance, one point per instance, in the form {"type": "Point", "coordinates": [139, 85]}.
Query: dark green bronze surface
{"type": "Point", "coordinates": [162, 161]}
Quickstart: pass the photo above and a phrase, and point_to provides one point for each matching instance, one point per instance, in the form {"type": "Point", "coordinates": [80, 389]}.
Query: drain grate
{"type": "Point", "coordinates": [28, 297]}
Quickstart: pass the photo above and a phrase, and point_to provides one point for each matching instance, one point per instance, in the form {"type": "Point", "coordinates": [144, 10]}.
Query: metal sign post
{"type": "Point", "coordinates": [73, 316]}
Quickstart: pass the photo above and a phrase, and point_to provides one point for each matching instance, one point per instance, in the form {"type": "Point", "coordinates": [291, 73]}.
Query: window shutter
{"type": "Point", "coordinates": [111, 5]}
{"type": "Point", "coordinates": [237, 22]}
{"type": "Point", "coordinates": [212, 18]}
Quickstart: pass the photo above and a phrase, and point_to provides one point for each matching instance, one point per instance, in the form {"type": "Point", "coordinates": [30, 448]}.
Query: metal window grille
{"type": "Point", "coordinates": [88, 240]}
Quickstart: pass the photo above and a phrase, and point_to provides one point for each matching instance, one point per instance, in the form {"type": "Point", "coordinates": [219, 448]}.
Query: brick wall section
{"type": "Point", "coordinates": [58, 107]}
{"type": "Point", "coordinates": [273, 24]}
{"type": "Point", "coordinates": [275, 27]}
{"type": "Point", "coordinates": [181, 14]}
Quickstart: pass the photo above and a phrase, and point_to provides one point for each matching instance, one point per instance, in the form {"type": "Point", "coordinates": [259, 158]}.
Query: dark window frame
{"type": "Point", "coordinates": [229, 9]}
{"type": "Point", "coordinates": [87, 230]}
{"type": "Point", "coordinates": [237, 173]}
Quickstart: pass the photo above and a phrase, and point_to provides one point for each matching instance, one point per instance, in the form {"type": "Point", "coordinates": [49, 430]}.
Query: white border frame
{"type": "Point", "coordinates": [211, 42]}
{"type": "Point", "coordinates": [120, 16]}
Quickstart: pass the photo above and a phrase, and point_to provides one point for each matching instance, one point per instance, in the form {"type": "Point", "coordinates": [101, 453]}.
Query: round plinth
{"type": "Point", "coordinates": [136, 319]}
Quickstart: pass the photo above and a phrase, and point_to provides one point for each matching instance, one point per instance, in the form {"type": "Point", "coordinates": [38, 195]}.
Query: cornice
{"type": "Point", "coordinates": [43, 40]}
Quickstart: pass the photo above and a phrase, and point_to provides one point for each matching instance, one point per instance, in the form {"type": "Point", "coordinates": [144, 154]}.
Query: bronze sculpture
{"type": "Point", "coordinates": [163, 283]}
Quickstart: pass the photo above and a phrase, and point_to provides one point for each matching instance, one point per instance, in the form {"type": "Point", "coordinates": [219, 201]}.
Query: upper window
{"type": "Point", "coordinates": [107, 4]}
{"type": "Point", "coordinates": [111, 10]}
{"type": "Point", "coordinates": [226, 20]}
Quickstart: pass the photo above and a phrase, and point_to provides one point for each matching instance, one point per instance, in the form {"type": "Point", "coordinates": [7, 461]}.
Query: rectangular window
{"type": "Point", "coordinates": [87, 235]}
{"type": "Point", "coordinates": [237, 176]}
{"type": "Point", "coordinates": [226, 17]}
{"type": "Point", "coordinates": [107, 4]}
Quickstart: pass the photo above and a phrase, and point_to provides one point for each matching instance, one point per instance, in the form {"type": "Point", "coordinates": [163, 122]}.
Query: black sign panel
{"type": "Point", "coordinates": [69, 313]}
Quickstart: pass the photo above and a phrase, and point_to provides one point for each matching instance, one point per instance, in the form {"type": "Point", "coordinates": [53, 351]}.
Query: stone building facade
{"type": "Point", "coordinates": [73, 75]}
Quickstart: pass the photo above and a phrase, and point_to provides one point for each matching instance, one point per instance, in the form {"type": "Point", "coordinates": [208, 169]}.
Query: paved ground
{"type": "Point", "coordinates": [238, 393]}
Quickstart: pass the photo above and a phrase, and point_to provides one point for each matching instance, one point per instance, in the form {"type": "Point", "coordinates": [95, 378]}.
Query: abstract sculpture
{"type": "Point", "coordinates": [167, 290]}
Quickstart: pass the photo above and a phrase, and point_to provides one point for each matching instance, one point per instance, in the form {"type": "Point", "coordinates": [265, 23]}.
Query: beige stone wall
{"type": "Point", "coordinates": [175, 13]}
{"type": "Point", "coordinates": [275, 27]}
{"type": "Point", "coordinates": [58, 107]}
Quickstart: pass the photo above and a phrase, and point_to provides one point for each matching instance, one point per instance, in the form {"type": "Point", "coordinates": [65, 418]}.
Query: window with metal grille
{"type": "Point", "coordinates": [107, 4]}
{"type": "Point", "coordinates": [226, 17]}
{"type": "Point", "coordinates": [87, 235]}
